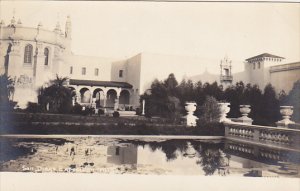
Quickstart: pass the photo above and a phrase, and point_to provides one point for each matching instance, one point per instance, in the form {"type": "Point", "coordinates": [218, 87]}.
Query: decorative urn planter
{"type": "Point", "coordinates": [224, 109]}
{"type": "Point", "coordinates": [190, 151]}
{"type": "Point", "coordinates": [190, 118]}
{"type": "Point", "coordinates": [286, 112]}
{"type": "Point", "coordinates": [245, 110]}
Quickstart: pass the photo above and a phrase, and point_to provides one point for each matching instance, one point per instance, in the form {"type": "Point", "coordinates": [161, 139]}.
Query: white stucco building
{"type": "Point", "coordinates": [32, 56]}
{"type": "Point", "coordinates": [260, 70]}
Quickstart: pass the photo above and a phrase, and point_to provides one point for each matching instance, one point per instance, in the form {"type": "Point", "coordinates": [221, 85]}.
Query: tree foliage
{"type": "Point", "coordinates": [293, 99]}
{"type": "Point", "coordinates": [209, 111]}
{"type": "Point", "coordinates": [264, 104]}
{"type": "Point", "coordinates": [6, 91]}
{"type": "Point", "coordinates": [56, 98]}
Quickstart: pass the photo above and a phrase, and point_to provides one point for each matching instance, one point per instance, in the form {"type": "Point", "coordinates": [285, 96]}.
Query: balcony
{"type": "Point", "coordinates": [226, 78]}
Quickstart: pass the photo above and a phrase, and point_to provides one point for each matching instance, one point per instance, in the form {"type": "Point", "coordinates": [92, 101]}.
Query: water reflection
{"type": "Point", "coordinates": [157, 156]}
{"type": "Point", "coordinates": [126, 154]}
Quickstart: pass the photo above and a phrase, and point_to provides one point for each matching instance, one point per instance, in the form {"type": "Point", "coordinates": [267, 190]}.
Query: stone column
{"type": "Point", "coordinates": [39, 67]}
{"type": "Point", "coordinates": [116, 105]}
{"type": "Point", "coordinates": [104, 101]}
{"type": "Point", "coordinates": [143, 111]}
{"type": "Point", "coordinates": [15, 60]}
{"type": "Point", "coordinates": [78, 97]}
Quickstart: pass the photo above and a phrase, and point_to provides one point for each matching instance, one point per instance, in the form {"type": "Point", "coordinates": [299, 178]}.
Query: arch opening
{"type": "Point", "coordinates": [85, 95]}
{"type": "Point", "coordinates": [98, 95]}
{"type": "Point", "coordinates": [111, 98]}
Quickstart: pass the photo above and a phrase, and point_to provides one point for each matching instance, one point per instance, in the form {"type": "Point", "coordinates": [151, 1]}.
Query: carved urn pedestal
{"type": "Point", "coordinates": [191, 119]}
{"type": "Point", "coordinates": [286, 112]}
{"type": "Point", "coordinates": [245, 110]}
{"type": "Point", "coordinates": [224, 109]}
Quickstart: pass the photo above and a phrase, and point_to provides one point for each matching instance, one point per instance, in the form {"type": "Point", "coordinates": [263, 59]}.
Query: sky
{"type": "Point", "coordinates": [194, 29]}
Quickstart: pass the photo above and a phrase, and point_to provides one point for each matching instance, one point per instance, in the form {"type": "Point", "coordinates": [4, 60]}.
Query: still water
{"type": "Point", "coordinates": [145, 156]}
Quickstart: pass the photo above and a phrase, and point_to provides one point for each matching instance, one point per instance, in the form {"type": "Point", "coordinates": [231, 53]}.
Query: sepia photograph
{"type": "Point", "coordinates": [149, 95]}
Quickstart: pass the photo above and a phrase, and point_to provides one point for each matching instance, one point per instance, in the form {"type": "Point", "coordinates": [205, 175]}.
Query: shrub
{"type": "Point", "coordinates": [100, 112]}
{"type": "Point", "coordinates": [88, 111]}
{"type": "Point", "coordinates": [77, 109]}
{"type": "Point", "coordinates": [32, 107]}
{"type": "Point", "coordinates": [209, 111]}
{"type": "Point", "coordinates": [138, 111]}
{"type": "Point", "coordinates": [116, 114]}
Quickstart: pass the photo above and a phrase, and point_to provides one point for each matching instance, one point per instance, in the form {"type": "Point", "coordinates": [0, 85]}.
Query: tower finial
{"type": "Point", "coordinates": [68, 27]}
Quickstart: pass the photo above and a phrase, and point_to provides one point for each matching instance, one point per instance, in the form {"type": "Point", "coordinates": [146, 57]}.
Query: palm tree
{"type": "Point", "coordinates": [59, 81]}
{"type": "Point", "coordinates": [6, 90]}
{"type": "Point", "coordinates": [56, 98]}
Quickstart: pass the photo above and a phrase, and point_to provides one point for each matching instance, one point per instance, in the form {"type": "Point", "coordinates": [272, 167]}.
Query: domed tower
{"type": "Point", "coordinates": [32, 56]}
{"type": "Point", "coordinates": [226, 75]}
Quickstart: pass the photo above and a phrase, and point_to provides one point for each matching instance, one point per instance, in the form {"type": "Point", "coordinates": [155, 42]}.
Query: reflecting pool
{"type": "Point", "coordinates": [145, 156]}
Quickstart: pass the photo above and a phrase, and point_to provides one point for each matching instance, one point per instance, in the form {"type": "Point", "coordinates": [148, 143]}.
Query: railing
{"type": "Point", "coordinates": [226, 78]}
{"type": "Point", "coordinates": [275, 136]}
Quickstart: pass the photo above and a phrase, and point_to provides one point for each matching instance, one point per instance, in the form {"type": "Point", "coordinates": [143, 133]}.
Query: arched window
{"type": "Point", "coordinates": [46, 53]}
{"type": "Point", "coordinates": [28, 54]}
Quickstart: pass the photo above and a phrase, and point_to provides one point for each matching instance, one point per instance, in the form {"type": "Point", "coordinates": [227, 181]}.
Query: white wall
{"type": "Point", "coordinates": [90, 63]}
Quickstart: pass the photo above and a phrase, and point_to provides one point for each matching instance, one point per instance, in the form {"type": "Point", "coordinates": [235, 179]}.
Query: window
{"type": "Point", "coordinates": [71, 70]}
{"type": "Point", "coordinates": [83, 71]}
{"type": "Point", "coordinates": [28, 54]}
{"type": "Point", "coordinates": [46, 53]}
{"type": "Point", "coordinates": [226, 72]}
{"type": "Point", "coordinates": [258, 65]}
{"type": "Point", "coordinates": [253, 66]}
{"type": "Point", "coordinates": [120, 73]}
{"type": "Point", "coordinates": [96, 71]}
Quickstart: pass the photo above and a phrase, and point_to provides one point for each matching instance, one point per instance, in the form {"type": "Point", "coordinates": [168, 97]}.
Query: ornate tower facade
{"type": "Point", "coordinates": [31, 56]}
{"type": "Point", "coordinates": [225, 75]}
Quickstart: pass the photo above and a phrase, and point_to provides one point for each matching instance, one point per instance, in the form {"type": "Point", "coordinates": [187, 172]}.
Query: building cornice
{"type": "Point", "coordinates": [285, 67]}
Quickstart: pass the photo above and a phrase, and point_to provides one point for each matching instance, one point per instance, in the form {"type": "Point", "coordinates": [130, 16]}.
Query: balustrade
{"type": "Point", "coordinates": [241, 132]}
{"type": "Point", "coordinates": [282, 138]}
{"type": "Point", "coordinates": [276, 136]}
{"type": "Point", "coordinates": [241, 148]}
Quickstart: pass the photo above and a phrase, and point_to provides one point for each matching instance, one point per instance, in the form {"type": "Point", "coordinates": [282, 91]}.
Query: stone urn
{"type": "Point", "coordinates": [190, 151]}
{"type": "Point", "coordinates": [224, 109]}
{"type": "Point", "coordinates": [286, 112]}
{"type": "Point", "coordinates": [245, 110]}
{"type": "Point", "coordinates": [190, 118]}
